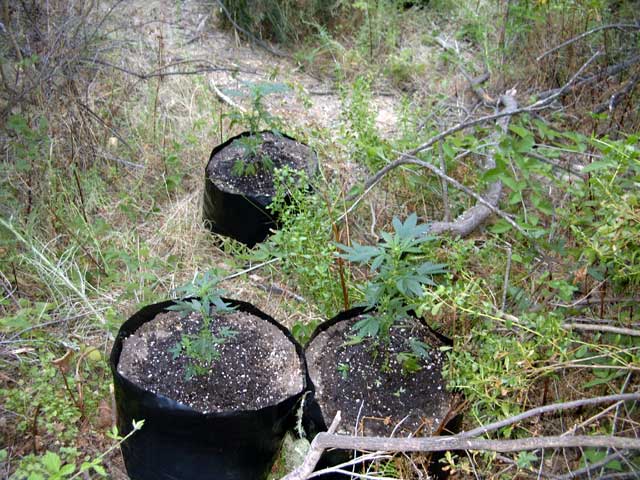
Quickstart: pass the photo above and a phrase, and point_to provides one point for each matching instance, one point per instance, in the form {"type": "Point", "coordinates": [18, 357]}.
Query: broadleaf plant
{"type": "Point", "coordinates": [202, 296]}
{"type": "Point", "coordinates": [396, 285]}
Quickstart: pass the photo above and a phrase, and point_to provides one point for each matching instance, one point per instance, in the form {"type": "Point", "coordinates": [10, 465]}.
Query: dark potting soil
{"type": "Point", "coordinates": [257, 367]}
{"type": "Point", "coordinates": [281, 150]}
{"type": "Point", "coordinates": [377, 400]}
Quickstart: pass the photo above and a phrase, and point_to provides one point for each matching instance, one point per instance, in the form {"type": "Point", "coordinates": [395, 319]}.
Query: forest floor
{"type": "Point", "coordinates": [106, 218]}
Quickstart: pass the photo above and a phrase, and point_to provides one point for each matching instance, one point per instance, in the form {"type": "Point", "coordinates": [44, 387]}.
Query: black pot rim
{"type": "Point", "coordinates": [262, 200]}
{"type": "Point", "coordinates": [134, 322]}
{"type": "Point", "coordinates": [313, 419]}
{"type": "Point", "coordinates": [360, 310]}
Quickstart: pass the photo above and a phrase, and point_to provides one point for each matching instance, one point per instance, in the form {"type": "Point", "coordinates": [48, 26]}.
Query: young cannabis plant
{"type": "Point", "coordinates": [397, 284]}
{"type": "Point", "coordinates": [255, 118]}
{"type": "Point", "coordinates": [202, 296]}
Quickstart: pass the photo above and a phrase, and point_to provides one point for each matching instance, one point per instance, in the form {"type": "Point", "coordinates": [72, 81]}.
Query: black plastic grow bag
{"type": "Point", "coordinates": [242, 216]}
{"type": "Point", "coordinates": [179, 443]}
{"type": "Point", "coordinates": [313, 421]}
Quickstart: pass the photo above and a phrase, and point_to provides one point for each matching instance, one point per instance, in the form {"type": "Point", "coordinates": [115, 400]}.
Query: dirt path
{"type": "Point", "coordinates": [166, 33]}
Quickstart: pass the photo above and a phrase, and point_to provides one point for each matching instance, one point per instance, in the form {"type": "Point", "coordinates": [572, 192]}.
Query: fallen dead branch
{"type": "Point", "coordinates": [467, 440]}
{"type": "Point", "coordinates": [474, 217]}
{"type": "Point", "coordinates": [442, 444]}
{"type": "Point", "coordinates": [587, 327]}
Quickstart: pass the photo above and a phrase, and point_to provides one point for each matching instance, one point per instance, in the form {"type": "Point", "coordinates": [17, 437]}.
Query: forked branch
{"type": "Point", "coordinates": [468, 440]}
{"type": "Point", "coordinates": [474, 217]}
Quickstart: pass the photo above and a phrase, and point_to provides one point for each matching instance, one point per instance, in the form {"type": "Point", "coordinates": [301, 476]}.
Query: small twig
{"type": "Point", "coordinates": [591, 419]}
{"type": "Point", "coordinates": [162, 71]}
{"type": "Point", "coordinates": [620, 26]}
{"type": "Point", "coordinates": [251, 269]}
{"type": "Point", "coordinates": [601, 328]}
{"type": "Point", "coordinates": [604, 73]}
{"type": "Point", "coordinates": [34, 428]}
{"type": "Point", "coordinates": [614, 100]}
{"type": "Point", "coordinates": [555, 165]}
{"type": "Point", "coordinates": [585, 301]}
{"type": "Point", "coordinates": [543, 102]}
{"type": "Point", "coordinates": [272, 288]}
{"type": "Point", "coordinates": [411, 160]}
{"type": "Point", "coordinates": [104, 124]}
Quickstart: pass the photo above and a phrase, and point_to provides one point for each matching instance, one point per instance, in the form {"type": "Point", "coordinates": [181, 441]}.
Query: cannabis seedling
{"type": "Point", "coordinates": [202, 348]}
{"type": "Point", "coordinates": [396, 285]}
{"type": "Point", "coordinates": [252, 162]}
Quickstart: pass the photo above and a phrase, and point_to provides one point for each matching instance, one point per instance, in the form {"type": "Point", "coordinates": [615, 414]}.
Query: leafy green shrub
{"type": "Point", "coordinates": [358, 127]}
{"type": "Point", "coordinates": [608, 223]}
{"type": "Point", "coordinates": [304, 243]}
{"type": "Point", "coordinates": [498, 362]}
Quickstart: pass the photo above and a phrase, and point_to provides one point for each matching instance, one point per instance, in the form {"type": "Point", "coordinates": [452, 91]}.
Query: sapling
{"type": "Point", "coordinates": [396, 286]}
{"type": "Point", "coordinates": [203, 296]}
{"type": "Point", "coordinates": [256, 117]}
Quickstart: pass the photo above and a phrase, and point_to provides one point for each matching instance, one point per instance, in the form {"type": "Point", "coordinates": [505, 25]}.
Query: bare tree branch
{"type": "Point", "coordinates": [554, 407]}
{"type": "Point", "coordinates": [618, 26]}
{"type": "Point", "coordinates": [604, 73]}
{"type": "Point", "coordinates": [601, 328]}
{"type": "Point", "coordinates": [472, 218]}
{"type": "Point", "coordinates": [617, 97]}
{"type": "Point", "coordinates": [441, 444]}
{"type": "Point", "coordinates": [467, 440]}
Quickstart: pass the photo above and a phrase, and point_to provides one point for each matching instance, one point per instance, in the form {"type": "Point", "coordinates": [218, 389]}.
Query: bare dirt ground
{"type": "Point", "coordinates": [191, 31]}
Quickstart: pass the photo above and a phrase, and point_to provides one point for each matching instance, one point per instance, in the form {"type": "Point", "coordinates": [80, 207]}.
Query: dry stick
{"type": "Point", "coordinates": [550, 408]}
{"type": "Point", "coordinates": [161, 72]}
{"type": "Point", "coordinates": [440, 444]}
{"type": "Point", "coordinates": [251, 269]}
{"type": "Point", "coordinates": [620, 26]}
{"type": "Point", "coordinates": [589, 468]}
{"type": "Point", "coordinates": [507, 271]}
{"type": "Point", "coordinates": [601, 328]}
{"type": "Point", "coordinates": [445, 187]}
{"type": "Point", "coordinates": [104, 124]}
{"type": "Point", "coordinates": [355, 461]}
{"type": "Point", "coordinates": [463, 440]}
{"type": "Point", "coordinates": [596, 301]}
{"type": "Point", "coordinates": [614, 101]}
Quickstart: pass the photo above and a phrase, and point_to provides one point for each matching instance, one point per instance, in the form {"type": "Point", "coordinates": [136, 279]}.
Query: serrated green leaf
{"type": "Point", "coordinates": [501, 226]}
{"type": "Point", "coordinates": [598, 165]}
{"type": "Point", "coordinates": [369, 326]}
{"type": "Point", "coordinates": [67, 469]}
{"type": "Point", "coordinates": [510, 182]}
{"type": "Point", "coordinates": [51, 462]}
